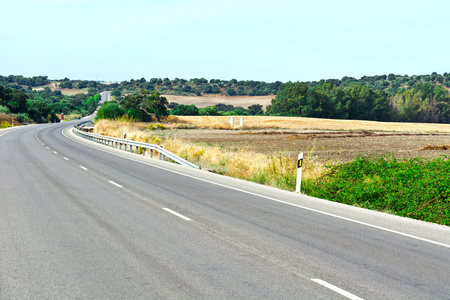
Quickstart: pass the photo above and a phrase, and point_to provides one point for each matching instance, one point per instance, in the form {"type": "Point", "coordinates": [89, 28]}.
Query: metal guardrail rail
{"type": "Point", "coordinates": [131, 146]}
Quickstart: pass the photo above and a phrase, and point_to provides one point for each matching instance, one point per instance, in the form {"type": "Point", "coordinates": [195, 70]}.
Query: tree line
{"type": "Point", "coordinates": [424, 102]}
{"type": "Point", "coordinates": [198, 87]}
{"type": "Point", "coordinates": [43, 105]}
{"type": "Point", "coordinates": [422, 98]}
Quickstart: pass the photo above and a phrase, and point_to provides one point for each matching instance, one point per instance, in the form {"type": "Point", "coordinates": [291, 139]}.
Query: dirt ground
{"type": "Point", "coordinates": [328, 140]}
{"type": "Point", "coordinates": [336, 146]}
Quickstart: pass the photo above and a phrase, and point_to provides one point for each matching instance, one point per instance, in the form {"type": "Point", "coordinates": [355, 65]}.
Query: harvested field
{"type": "Point", "coordinates": [327, 140]}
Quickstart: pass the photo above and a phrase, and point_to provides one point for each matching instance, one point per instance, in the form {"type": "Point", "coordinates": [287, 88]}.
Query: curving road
{"type": "Point", "coordinates": [79, 220]}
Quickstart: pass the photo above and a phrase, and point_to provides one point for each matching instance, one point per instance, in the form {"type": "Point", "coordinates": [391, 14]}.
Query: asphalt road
{"type": "Point", "coordinates": [81, 220]}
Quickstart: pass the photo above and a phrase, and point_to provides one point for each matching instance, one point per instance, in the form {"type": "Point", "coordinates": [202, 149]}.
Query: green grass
{"type": "Point", "coordinates": [416, 188]}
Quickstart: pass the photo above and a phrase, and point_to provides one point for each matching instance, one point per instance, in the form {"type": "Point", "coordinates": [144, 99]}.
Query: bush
{"type": "Point", "coordinates": [22, 117]}
{"type": "Point", "coordinates": [417, 188]}
{"type": "Point", "coordinates": [4, 109]}
{"type": "Point", "coordinates": [185, 110]}
{"type": "Point", "coordinates": [109, 110]}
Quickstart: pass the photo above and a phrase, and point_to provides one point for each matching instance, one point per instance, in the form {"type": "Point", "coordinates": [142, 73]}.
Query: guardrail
{"type": "Point", "coordinates": [131, 146]}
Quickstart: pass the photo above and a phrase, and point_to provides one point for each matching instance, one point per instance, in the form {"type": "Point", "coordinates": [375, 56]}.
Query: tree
{"type": "Point", "coordinates": [209, 111]}
{"type": "Point", "coordinates": [255, 109]}
{"type": "Point", "coordinates": [185, 110]}
{"type": "Point", "coordinates": [109, 110]}
{"type": "Point", "coordinates": [116, 92]}
{"type": "Point", "coordinates": [82, 84]}
{"type": "Point", "coordinates": [207, 89]}
{"type": "Point", "coordinates": [153, 105]}
{"type": "Point", "coordinates": [66, 85]}
{"type": "Point", "coordinates": [231, 92]}
{"type": "Point", "coordinates": [215, 89]}
{"type": "Point", "coordinates": [41, 107]}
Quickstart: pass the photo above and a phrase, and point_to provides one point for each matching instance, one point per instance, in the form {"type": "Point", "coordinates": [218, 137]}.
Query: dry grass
{"type": "Point", "coordinates": [276, 170]}
{"type": "Point", "coordinates": [267, 122]}
{"type": "Point", "coordinates": [274, 167]}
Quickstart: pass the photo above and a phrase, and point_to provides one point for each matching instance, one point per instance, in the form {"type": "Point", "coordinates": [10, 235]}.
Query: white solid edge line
{"type": "Point", "coordinates": [276, 200]}
{"type": "Point", "coordinates": [177, 214]}
{"type": "Point", "coordinates": [336, 289]}
{"type": "Point", "coordinates": [83, 168]}
{"type": "Point", "coordinates": [10, 130]}
{"type": "Point", "coordinates": [116, 184]}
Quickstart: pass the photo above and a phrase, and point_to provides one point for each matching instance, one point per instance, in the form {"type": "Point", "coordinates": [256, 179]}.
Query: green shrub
{"type": "Point", "coordinates": [4, 109]}
{"type": "Point", "coordinates": [109, 110]}
{"type": "Point", "coordinates": [417, 188]}
{"type": "Point", "coordinates": [22, 117]}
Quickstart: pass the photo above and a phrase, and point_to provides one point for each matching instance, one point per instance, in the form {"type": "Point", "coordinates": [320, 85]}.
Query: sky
{"type": "Point", "coordinates": [264, 40]}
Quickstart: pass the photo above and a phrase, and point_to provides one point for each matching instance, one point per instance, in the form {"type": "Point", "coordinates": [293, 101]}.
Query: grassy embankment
{"type": "Point", "coordinates": [415, 188]}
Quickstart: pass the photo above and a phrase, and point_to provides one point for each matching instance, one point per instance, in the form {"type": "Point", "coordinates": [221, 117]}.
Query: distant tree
{"type": "Point", "coordinates": [82, 84]}
{"type": "Point", "coordinates": [66, 85]}
{"type": "Point", "coordinates": [215, 89]}
{"type": "Point", "coordinates": [209, 111]}
{"type": "Point", "coordinates": [231, 92]}
{"type": "Point", "coordinates": [172, 105]}
{"type": "Point", "coordinates": [92, 91]}
{"type": "Point", "coordinates": [185, 110]}
{"type": "Point", "coordinates": [224, 107]}
{"type": "Point", "coordinates": [154, 104]}
{"type": "Point", "coordinates": [238, 111]}
{"type": "Point", "coordinates": [241, 91]}
{"type": "Point", "coordinates": [207, 89]}
{"type": "Point", "coordinates": [255, 109]}
{"type": "Point", "coordinates": [116, 92]}
{"type": "Point", "coordinates": [186, 89]}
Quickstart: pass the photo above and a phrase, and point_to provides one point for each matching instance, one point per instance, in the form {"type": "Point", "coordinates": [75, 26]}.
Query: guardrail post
{"type": "Point", "coordinates": [151, 153]}
{"type": "Point", "coordinates": [131, 148]}
{"type": "Point", "coordinates": [143, 151]}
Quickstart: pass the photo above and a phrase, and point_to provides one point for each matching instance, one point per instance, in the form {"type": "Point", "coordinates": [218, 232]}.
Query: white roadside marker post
{"type": "Point", "coordinates": [299, 172]}
{"type": "Point", "coordinates": [241, 122]}
{"type": "Point", "coordinates": [231, 121]}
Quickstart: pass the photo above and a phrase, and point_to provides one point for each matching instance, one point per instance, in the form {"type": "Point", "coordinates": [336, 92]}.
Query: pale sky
{"type": "Point", "coordinates": [263, 40]}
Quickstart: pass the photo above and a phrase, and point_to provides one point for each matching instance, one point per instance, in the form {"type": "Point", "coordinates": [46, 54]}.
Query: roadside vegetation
{"type": "Point", "coordinates": [417, 188]}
